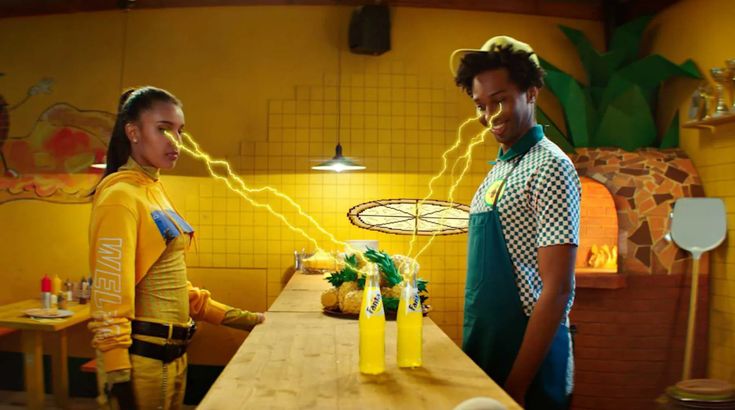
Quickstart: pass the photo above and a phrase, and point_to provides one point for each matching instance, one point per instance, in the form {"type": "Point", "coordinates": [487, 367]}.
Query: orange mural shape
{"type": "Point", "coordinates": [54, 162]}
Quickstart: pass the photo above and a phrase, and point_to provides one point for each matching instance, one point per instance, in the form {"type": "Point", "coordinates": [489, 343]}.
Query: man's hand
{"type": "Point", "coordinates": [516, 391]}
{"type": "Point", "coordinates": [556, 268]}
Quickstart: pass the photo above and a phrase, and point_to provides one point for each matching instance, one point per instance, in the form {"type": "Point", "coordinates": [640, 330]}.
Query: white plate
{"type": "Point", "coordinates": [48, 314]}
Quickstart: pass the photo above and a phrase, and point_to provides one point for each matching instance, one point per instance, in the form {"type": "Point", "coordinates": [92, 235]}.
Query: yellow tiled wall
{"type": "Point", "coordinates": [397, 122]}
{"type": "Point", "coordinates": [703, 31]}
{"type": "Point", "coordinates": [260, 87]}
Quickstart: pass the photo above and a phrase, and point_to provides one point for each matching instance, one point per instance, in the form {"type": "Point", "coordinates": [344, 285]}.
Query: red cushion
{"type": "Point", "coordinates": [6, 331]}
{"type": "Point", "coordinates": [90, 366]}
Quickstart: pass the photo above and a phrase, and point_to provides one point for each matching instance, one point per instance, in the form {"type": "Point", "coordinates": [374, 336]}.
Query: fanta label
{"type": "Point", "coordinates": [374, 305]}
{"type": "Point", "coordinates": [415, 303]}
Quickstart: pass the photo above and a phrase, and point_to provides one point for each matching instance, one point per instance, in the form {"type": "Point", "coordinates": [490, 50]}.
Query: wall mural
{"type": "Point", "coordinates": [53, 162]}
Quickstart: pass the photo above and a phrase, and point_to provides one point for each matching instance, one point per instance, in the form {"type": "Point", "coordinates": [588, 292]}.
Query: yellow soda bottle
{"type": "Point", "coordinates": [372, 325]}
{"type": "Point", "coordinates": [409, 320]}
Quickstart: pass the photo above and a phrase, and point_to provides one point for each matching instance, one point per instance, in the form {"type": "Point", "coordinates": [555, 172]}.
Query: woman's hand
{"type": "Point", "coordinates": [242, 319]}
{"type": "Point", "coordinates": [261, 318]}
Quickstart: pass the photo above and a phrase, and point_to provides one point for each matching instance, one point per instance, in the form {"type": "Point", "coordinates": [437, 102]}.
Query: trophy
{"type": "Point", "coordinates": [731, 67]}
{"type": "Point", "coordinates": [701, 102]}
{"type": "Point", "coordinates": [720, 75]}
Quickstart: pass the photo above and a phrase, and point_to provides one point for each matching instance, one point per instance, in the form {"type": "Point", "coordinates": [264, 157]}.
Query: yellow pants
{"type": "Point", "coordinates": [156, 385]}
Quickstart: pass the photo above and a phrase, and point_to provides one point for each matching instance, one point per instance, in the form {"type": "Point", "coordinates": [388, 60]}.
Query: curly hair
{"type": "Point", "coordinates": [522, 70]}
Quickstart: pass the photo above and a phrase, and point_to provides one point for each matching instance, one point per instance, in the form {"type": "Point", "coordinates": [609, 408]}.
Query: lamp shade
{"type": "Point", "coordinates": [339, 163]}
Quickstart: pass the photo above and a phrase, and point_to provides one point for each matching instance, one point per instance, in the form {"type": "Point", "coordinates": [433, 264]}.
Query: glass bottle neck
{"type": "Point", "coordinates": [409, 276]}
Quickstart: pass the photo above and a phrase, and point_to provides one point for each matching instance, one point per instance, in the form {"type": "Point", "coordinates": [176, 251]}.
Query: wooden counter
{"type": "Point", "coordinates": [301, 294]}
{"type": "Point", "coordinates": [301, 358]}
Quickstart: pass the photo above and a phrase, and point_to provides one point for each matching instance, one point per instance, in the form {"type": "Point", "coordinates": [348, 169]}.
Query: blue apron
{"type": "Point", "coordinates": [494, 321]}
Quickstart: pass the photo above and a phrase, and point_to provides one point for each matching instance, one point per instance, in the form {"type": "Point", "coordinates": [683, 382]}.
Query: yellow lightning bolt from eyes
{"type": "Point", "coordinates": [243, 191]}
{"type": "Point", "coordinates": [457, 143]}
{"type": "Point", "coordinates": [479, 139]}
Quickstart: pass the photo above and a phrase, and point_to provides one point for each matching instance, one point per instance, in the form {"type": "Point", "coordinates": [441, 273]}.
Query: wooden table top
{"type": "Point", "coordinates": [301, 294]}
{"type": "Point", "coordinates": [11, 315]}
{"type": "Point", "coordinates": [304, 359]}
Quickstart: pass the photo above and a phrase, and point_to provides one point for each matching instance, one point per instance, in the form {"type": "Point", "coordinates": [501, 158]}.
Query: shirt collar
{"type": "Point", "coordinates": [151, 172]}
{"type": "Point", "coordinates": [522, 146]}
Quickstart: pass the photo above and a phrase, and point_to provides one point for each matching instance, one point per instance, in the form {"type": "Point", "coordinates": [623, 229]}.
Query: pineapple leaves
{"type": "Point", "coordinates": [390, 303]}
{"type": "Point", "coordinates": [616, 107]}
{"type": "Point", "coordinates": [421, 284]}
{"type": "Point", "coordinates": [627, 123]}
{"type": "Point", "coordinates": [386, 266]}
{"type": "Point", "coordinates": [552, 131]}
{"type": "Point", "coordinates": [336, 279]}
{"type": "Point", "coordinates": [350, 272]}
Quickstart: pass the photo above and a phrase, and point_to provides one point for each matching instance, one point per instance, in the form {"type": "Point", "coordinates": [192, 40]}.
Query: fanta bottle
{"type": "Point", "coordinates": [372, 325]}
{"type": "Point", "coordinates": [409, 320]}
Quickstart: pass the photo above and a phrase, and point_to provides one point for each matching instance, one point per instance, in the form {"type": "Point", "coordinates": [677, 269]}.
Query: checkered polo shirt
{"type": "Point", "coordinates": [538, 207]}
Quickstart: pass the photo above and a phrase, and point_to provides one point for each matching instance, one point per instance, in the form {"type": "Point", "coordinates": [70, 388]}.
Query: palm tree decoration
{"type": "Point", "coordinates": [616, 107]}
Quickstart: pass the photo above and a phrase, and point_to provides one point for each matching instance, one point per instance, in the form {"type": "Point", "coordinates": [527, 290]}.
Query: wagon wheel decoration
{"type": "Point", "coordinates": [405, 216]}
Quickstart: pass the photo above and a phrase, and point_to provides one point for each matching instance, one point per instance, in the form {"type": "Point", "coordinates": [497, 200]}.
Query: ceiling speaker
{"type": "Point", "coordinates": [370, 30]}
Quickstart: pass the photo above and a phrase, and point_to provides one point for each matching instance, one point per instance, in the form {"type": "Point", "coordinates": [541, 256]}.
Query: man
{"type": "Point", "coordinates": [523, 235]}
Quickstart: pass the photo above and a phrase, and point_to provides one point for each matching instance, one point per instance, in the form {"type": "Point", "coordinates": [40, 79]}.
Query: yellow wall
{"type": "Point", "coordinates": [703, 31]}
{"type": "Point", "coordinates": [260, 87]}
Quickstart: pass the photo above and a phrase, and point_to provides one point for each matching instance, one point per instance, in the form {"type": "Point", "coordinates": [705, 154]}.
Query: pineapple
{"type": "Point", "coordinates": [320, 261]}
{"type": "Point", "coordinates": [390, 276]}
{"type": "Point", "coordinates": [348, 282]}
{"type": "Point", "coordinates": [344, 289]}
{"type": "Point", "coordinates": [330, 298]}
{"type": "Point", "coordinates": [391, 280]}
{"type": "Point", "coordinates": [402, 262]}
{"type": "Point", "coordinates": [393, 292]}
{"type": "Point", "coordinates": [352, 302]}
{"type": "Point", "coordinates": [335, 279]}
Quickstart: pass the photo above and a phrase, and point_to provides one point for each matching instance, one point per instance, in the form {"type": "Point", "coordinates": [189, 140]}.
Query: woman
{"type": "Point", "coordinates": [142, 303]}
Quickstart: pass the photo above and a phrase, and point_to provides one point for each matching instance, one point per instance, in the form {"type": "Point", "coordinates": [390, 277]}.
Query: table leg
{"type": "Point", "coordinates": [60, 368]}
{"type": "Point", "coordinates": [33, 367]}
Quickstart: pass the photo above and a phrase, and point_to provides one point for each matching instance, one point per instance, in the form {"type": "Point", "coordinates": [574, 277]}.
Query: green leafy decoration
{"type": "Point", "coordinates": [552, 131]}
{"type": "Point", "coordinates": [391, 303]}
{"type": "Point", "coordinates": [671, 138]}
{"type": "Point", "coordinates": [648, 74]}
{"type": "Point", "coordinates": [579, 112]}
{"type": "Point", "coordinates": [350, 272]}
{"type": "Point", "coordinates": [421, 284]}
{"type": "Point", "coordinates": [599, 67]}
{"type": "Point", "coordinates": [626, 39]}
{"type": "Point", "coordinates": [336, 279]}
{"type": "Point", "coordinates": [386, 266]}
{"type": "Point", "coordinates": [617, 104]}
{"type": "Point", "coordinates": [627, 123]}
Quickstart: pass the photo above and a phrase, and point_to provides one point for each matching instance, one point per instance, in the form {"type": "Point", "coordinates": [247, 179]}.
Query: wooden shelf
{"type": "Point", "coordinates": [711, 122]}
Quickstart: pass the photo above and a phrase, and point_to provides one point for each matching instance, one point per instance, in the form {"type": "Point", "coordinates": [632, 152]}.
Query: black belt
{"type": "Point", "coordinates": [166, 353]}
{"type": "Point", "coordinates": [169, 331]}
